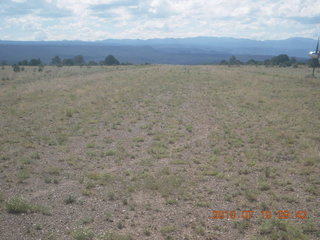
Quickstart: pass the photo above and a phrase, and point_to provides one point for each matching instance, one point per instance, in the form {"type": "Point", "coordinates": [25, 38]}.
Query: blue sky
{"type": "Point", "coordinates": [91, 20]}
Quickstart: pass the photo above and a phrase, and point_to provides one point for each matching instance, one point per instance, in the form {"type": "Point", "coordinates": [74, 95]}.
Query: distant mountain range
{"type": "Point", "coordinates": [197, 50]}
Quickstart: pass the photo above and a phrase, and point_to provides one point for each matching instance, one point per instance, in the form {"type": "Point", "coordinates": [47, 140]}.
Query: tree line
{"type": "Point", "coordinates": [57, 61]}
{"type": "Point", "coordinates": [79, 61]}
{"type": "Point", "coordinates": [281, 60]}
{"type": "Point", "coordinates": [75, 61]}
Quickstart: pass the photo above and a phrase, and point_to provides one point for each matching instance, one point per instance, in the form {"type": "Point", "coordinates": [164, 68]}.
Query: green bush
{"type": "Point", "coordinates": [16, 68]}
{"type": "Point", "coordinates": [17, 206]}
{"type": "Point", "coordinates": [70, 199]}
{"type": "Point", "coordinates": [83, 234]}
{"type": "Point", "coordinates": [279, 229]}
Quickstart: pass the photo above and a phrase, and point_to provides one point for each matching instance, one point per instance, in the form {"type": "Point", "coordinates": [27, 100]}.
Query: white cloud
{"type": "Point", "coordinates": [101, 19]}
{"type": "Point", "coordinates": [18, 1]}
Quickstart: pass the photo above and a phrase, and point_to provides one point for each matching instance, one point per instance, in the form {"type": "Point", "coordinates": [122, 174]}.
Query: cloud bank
{"type": "Point", "coordinates": [104, 19]}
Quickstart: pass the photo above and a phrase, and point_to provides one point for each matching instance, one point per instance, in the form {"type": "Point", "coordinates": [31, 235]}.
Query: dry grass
{"type": "Point", "coordinates": [146, 152]}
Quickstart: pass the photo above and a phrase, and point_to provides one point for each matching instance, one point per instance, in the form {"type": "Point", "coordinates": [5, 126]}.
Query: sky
{"type": "Point", "coordinates": [91, 20]}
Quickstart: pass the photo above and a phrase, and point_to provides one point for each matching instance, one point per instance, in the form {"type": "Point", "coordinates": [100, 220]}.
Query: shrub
{"type": "Point", "coordinates": [83, 234]}
{"type": "Point", "coordinates": [17, 206]}
{"type": "Point", "coordinates": [70, 199]}
{"type": "Point", "coordinates": [114, 236]}
{"type": "Point", "coordinates": [16, 68]}
{"type": "Point", "coordinates": [111, 60]}
{"type": "Point", "coordinates": [242, 226]}
{"type": "Point", "coordinates": [250, 195]}
{"type": "Point", "coordinates": [23, 174]}
{"type": "Point", "coordinates": [277, 229]}
{"type": "Point", "coordinates": [167, 229]}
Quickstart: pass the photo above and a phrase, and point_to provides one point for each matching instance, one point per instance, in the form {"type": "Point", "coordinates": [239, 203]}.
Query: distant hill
{"type": "Point", "coordinates": [197, 50]}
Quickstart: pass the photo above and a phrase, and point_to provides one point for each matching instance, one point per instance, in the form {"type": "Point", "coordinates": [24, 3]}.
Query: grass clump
{"type": "Point", "coordinates": [54, 171]}
{"type": "Point", "coordinates": [172, 202]}
{"type": "Point", "coordinates": [158, 150]}
{"type": "Point", "coordinates": [2, 197]}
{"type": "Point", "coordinates": [200, 230]}
{"type": "Point", "coordinates": [138, 139]}
{"type": "Point", "coordinates": [100, 178]}
{"type": "Point", "coordinates": [311, 161]}
{"type": "Point", "coordinates": [189, 128]}
{"type": "Point", "coordinates": [290, 198]}
{"type": "Point", "coordinates": [167, 229]}
{"type": "Point", "coordinates": [146, 231]}
{"type": "Point", "coordinates": [267, 172]}
{"type": "Point", "coordinates": [110, 153]}
{"type": "Point", "coordinates": [70, 199]}
{"type": "Point", "coordinates": [114, 236]}
{"type": "Point", "coordinates": [310, 227]}
{"type": "Point", "coordinates": [61, 139]}
{"type": "Point", "coordinates": [171, 184]}
{"type": "Point", "coordinates": [111, 195]}
{"type": "Point", "coordinates": [26, 161]}
{"type": "Point", "coordinates": [313, 189]}
{"type": "Point", "coordinates": [228, 197]}
{"type": "Point", "coordinates": [244, 171]}
{"type": "Point", "coordinates": [264, 206]}
{"type": "Point", "coordinates": [35, 156]}
{"type": "Point", "coordinates": [120, 225]}
{"type": "Point", "coordinates": [19, 205]}
{"type": "Point", "coordinates": [263, 186]}
{"type": "Point", "coordinates": [83, 234]}
{"type": "Point", "coordinates": [242, 226]}
{"type": "Point", "coordinates": [178, 162]}
{"type": "Point", "coordinates": [204, 204]}
{"type": "Point", "coordinates": [151, 183]}
{"type": "Point", "coordinates": [251, 195]}
{"type": "Point", "coordinates": [210, 173]}
{"type": "Point", "coordinates": [86, 220]}
{"type": "Point", "coordinates": [108, 217]}
{"type": "Point", "coordinates": [70, 112]}
{"type": "Point", "coordinates": [23, 174]}
{"type": "Point", "coordinates": [279, 229]}
{"type": "Point", "coordinates": [91, 145]}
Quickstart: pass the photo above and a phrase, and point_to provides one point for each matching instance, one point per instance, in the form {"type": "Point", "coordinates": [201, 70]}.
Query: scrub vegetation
{"type": "Point", "coordinates": [149, 151]}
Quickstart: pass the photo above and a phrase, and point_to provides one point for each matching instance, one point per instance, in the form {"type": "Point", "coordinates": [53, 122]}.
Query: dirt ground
{"type": "Point", "coordinates": [152, 151]}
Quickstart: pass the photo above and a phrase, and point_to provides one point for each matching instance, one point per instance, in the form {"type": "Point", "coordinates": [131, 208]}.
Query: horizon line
{"type": "Point", "coordinates": [148, 39]}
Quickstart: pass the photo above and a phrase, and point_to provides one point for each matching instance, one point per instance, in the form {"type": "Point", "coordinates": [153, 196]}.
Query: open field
{"type": "Point", "coordinates": [147, 152]}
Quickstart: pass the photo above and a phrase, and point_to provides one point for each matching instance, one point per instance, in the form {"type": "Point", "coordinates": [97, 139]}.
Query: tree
{"type": "Point", "coordinates": [78, 60]}
{"type": "Point", "coordinates": [281, 60]}
{"type": "Point", "coordinates": [252, 62]}
{"type": "Point", "coordinates": [126, 63]}
{"type": "Point", "coordinates": [111, 60]}
{"type": "Point", "coordinates": [35, 62]}
{"type": "Point", "coordinates": [293, 60]}
{"type": "Point", "coordinates": [92, 63]}
{"type": "Point", "coordinates": [40, 69]}
{"type": "Point", "coordinates": [16, 68]}
{"type": "Point", "coordinates": [56, 61]}
{"type": "Point", "coordinates": [234, 61]}
{"type": "Point", "coordinates": [223, 62]}
{"type": "Point", "coordinates": [68, 62]}
{"type": "Point", "coordinates": [23, 63]}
